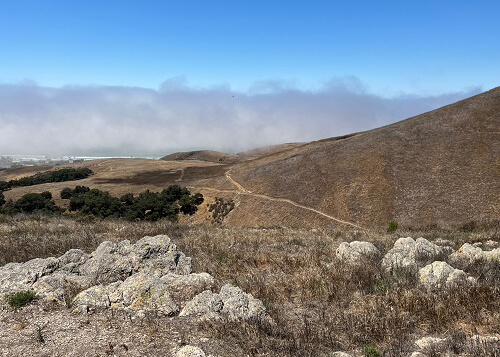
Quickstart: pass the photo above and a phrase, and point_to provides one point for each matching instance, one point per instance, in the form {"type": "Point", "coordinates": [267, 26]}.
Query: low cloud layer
{"type": "Point", "coordinates": [87, 120]}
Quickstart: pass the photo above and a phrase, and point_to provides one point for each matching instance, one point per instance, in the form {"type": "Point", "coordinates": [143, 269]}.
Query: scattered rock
{"type": "Point", "coordinates": [434, 344]}
{"type": "Point", "coordinates": [418, 354]}
{"type": "Point", "coordinates": [468, 255]}
{"type": "Point", "coordinates": [357, 253]}
{"type": "Point", "coordinates": [190, 351]}
{"type": "Point", "coordinates": [410, 254]}
{"type": "Point", "coordinates": [444, 242]}
{"type": "Point", "coordinates": [439, 275]}
{"type": "Point", "coordinates": [340, 354]}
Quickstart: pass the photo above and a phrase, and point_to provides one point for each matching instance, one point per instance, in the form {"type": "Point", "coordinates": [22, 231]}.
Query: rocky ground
{"type": "Point", "coordinates": [265, 292]}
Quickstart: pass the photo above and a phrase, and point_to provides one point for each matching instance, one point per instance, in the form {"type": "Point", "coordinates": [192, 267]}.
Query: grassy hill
{"type": "Point", "coordinates": [439, 167]}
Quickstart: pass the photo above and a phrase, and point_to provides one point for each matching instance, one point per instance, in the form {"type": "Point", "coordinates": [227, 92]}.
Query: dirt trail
{"type": "Point", "coordinates": [243, 190]}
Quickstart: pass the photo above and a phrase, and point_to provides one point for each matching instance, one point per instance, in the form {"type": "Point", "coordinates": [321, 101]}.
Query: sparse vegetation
{"type": "Point", "coordinates": [392, 226]}
{"type": "Point", "coordinates": [21, 298]}
{"type": "Point", "coordinates": [220, 209]}
{"type": "Point", "coordinates": [317, 303]}
{"type": "Point", "coordinates": [371, 350]}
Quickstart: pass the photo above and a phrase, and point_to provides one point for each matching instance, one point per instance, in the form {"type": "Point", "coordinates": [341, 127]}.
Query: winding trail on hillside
{"type": "Point", "coordinates": [243, 190]}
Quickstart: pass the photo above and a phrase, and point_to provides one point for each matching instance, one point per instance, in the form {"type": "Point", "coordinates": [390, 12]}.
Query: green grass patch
{"type": "Point", "coordinates": [21, 298]}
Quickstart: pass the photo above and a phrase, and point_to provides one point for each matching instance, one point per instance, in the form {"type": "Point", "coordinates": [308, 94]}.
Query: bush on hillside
{"type": "Point", "coordinates": [32, 203]}
{"type": "Point", "coordinates": [2, 199]}
{"type": "Point", "coordinates": [4, 185]}
{"type": "Point", "coordinates": [149, 206]}
{"type": "Point", "coordinates": [67, 193]}
{"type": "Point", "coordinates": [392, 226]}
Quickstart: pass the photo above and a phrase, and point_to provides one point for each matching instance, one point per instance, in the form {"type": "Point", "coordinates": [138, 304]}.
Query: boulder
{"type": "Point", "coordinates": [440, 275]}
{"type": "Point", "coordinates": [418, 354]}
{"type": "Point", "coordinates": [232, 303]}
{"type": "Point", "coordinates": [203, 304]}
{"type": "Point", "coordinates": [115, 261]}
{"type": "Point", "coordinates": [409, 254]}
{"type": "Point", "coordinates": [468, 255]}
{"type": "Point", "coordinates": [357, 253]}
{"type": "Point", "coordinates": [432, 344]}
{"type": "Point", "coordinates": [190, 351]}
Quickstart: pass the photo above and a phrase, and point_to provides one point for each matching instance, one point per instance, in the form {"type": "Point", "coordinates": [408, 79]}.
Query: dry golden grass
{"type": "Point", "coordinates": [318, 304]}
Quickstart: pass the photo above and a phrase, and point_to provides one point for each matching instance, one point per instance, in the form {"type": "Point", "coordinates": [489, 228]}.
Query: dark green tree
{"type": "Point", "coordinates": [4, 185]}
{"type": "Point", "coordinates": [66, 193]}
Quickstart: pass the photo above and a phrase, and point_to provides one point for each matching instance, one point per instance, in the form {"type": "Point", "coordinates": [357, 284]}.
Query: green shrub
{"type": "Point", "coordinates": [33, 203]}
{"type": "Point", "coordinates": [21, 298]}
{"type": "Point", "coordinates": [371, 350]}
{"type": "Point", "coordinates": [4, 186]}
{"type": "Point", "coordinates": [66, 193]}
{"type": "Point", "coordinates": [2, 198]}
{"type": "Point", "coordinates": [392, 226]}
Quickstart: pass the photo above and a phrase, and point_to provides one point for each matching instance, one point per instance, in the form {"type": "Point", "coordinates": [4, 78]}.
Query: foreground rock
{"type": "Point", "coordinates": [469, 255]}
{"type": "Point", "coordinates": [110, 262]}
{"type": "Point", "coordinates": [231, 302]}
{"type": "Point", "coordinates": [190, 351]}
{"type": "Point", "coordinates": [439, 275]}
{"type": "Point", "coordinates": [148, 276]}
{"type": "Point", "coordinates": [357, 253]}
{"type": "Point", "coordinates": [409, 254]}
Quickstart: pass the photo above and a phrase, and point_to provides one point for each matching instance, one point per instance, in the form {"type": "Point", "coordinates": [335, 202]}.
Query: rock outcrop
{"type": "Point", "coordinates": [150, 275]}
{"type": "Point", "coordinates": [409, 254]}
{"type": "Point", "coordinates": [357, 253]}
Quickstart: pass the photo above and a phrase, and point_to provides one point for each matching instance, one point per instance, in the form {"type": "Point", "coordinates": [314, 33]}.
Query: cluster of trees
{"type": "Point", "coordinates": [61, 175]}
{"type": "Point", "coordinates": [31, 203]}
{"type": "Point", "coordinates": [150, 206]}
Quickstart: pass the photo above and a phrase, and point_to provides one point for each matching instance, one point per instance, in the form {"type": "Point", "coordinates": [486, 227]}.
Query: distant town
{"type": "Point", "coordinates": [13, 161]}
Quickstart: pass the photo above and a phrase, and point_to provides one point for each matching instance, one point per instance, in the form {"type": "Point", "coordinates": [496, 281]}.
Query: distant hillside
{"type": "Point", "coordinates": [267, 150]}
{"type": "Point", "coordinates": [227, 158]}
{"type": "Point", "coordinates": [204, 155]}
{"type": "Point", "coordinates": [439, 167]}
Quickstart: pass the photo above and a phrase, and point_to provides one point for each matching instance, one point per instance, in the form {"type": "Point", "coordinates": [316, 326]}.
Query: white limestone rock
{"type": "Point", "coordinates": [357, 253]}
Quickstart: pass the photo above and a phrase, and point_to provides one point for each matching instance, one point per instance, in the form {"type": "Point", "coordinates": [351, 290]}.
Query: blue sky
{"type": "Point", "coordinates": [393, 47]}
{"type": "Point", "coordinates": [152, 77]}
